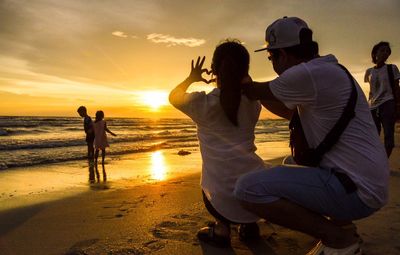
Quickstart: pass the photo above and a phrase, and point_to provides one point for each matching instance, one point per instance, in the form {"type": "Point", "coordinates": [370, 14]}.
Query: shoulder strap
{"type": "Point", "coordinates": [390, 72]}
{"type": "Point", "coordinates": [391, 77]}
{"type": "Point", "coordinates": [348, 113]}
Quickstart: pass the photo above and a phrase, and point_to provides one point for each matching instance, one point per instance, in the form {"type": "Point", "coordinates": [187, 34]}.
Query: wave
{"type": "Point", "coordinates": [13, 145]}
{"type": "Point", "coordinates": [36, 121]}
{"type": "Point", "coordinates": [27, 159]}
{"type": "Point", "coordinates": [15, 132]}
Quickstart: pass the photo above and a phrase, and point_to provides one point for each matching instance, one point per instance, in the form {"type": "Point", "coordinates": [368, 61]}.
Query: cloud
{"type": "Point", "coordinates": [173, 41]}
{"type": "Point", "coordinates": [119, 34]}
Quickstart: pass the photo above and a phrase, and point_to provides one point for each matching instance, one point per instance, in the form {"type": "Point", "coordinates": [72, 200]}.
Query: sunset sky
{"type": "Point", "coordinates": [124, 57]}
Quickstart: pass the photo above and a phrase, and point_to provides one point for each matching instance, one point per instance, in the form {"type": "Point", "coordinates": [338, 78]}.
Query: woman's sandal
{"type": "Point", "coordinates": [248, 231]}
{"type": "Point", "coordinates": [208, 235]}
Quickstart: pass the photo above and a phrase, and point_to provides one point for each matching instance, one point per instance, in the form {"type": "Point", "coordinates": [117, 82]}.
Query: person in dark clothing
{"type": "Point", "coordinates": [382, 100]}
{"type": "Point", "coordinates": [88, 127]}
{"type": "Point", "coordinates": [89, 131]}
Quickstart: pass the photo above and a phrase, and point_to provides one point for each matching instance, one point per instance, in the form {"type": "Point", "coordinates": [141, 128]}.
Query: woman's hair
{"type": "Point", "coordinates": [230, 64]}
{"type": "Point", "coordinates": [376, 48]}
{"type": "Point", "coordinates": [99, 115]}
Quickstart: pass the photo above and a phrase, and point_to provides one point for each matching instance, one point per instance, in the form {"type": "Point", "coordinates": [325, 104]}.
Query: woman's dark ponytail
{"type": "Point", "coordinates": [231, 65]}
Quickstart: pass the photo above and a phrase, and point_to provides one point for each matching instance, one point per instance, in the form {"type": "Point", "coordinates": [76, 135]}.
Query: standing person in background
{"type": "Point", "coordinates": [100, 141]}
{"type": "Point", "coordinates": [347, 182]}
{"type": "Point", "coordinates": [89, 131]}
{"type": "Point", "coordinates": [88, 127]}
{"type": "Point", "coordinates": [383, 80]}
{"type": "Point", "coordinates": [225, 122]}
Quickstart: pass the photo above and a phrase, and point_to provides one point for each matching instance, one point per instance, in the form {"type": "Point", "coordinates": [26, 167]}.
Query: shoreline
{"type": "Point", "coordinates": [44, 183]}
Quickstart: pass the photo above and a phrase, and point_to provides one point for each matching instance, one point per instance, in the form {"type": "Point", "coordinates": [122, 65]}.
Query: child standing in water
{"type": "Point", "coordinates": [100, 140]}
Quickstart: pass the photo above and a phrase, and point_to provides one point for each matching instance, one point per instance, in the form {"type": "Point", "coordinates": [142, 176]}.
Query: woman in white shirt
{"type": "Point", "coordinates": [225, 122]}
{"type": "Point", "coordinates": [381, 97]}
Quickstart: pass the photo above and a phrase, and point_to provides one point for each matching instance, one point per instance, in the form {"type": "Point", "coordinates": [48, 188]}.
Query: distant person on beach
{"type": "Point", "coordinates": [383, 80]}
{"type": "Point", "coordinates": [341, 180]}
{"type": "Point", "coordinates": [100, 140]}
{"type": "Point", "coordinates": [225, 122]}
{"type": "Point", "coordinates": [88, 127]}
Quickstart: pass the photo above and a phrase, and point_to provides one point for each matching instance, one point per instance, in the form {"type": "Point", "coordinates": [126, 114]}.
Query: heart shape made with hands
{"type": "Point", "coordinates": [210, 74]}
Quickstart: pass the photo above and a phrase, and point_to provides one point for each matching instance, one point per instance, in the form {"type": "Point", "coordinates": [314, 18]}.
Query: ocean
{"type": "Point", "coordinates": [28, 141]}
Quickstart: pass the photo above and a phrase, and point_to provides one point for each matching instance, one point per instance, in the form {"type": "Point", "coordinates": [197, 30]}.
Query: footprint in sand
{"type": "Point", "coordinates": [180, 228]}
{"type": "Point", "coordinates": [171, 230]}
{"type": "Point", "coordinates": [130, 251]}
{"type": "Point", "coordinates": [80, 247]}
{"type": "Point", "coordinates": [172, 234]}
{"type": "Point", "coordinates": [154, 245]}
{"type": "Point", "coordinates": [122, 209]}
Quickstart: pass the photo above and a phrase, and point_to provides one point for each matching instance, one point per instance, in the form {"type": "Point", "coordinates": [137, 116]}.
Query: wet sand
{"type": "Point", "coordinates": [150, 216]}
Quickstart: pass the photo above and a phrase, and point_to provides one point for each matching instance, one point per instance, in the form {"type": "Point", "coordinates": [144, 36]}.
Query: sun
{"type": "Point", "coordinates": [154, 99]}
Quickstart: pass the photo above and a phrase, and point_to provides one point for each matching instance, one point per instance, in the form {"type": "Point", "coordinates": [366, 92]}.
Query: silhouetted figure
{"type": "Point", "coordinates": [225, 126]}
{"type": "Point", "coordinates": [383, 84]}
{"type": "Point", "coordinates": [100, 141]}
{"type": "Point", "coordinates": [344, 176]}
{"type": "Point", "coordinates": [89, 131]}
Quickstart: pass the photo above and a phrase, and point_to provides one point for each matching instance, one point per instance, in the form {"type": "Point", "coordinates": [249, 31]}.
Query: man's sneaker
{"type": "Point", "coordinates": [321, 249]}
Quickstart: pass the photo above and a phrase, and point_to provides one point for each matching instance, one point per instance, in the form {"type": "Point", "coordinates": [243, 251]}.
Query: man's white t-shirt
{"type": "Point", "coordinates": [320, 90]}
{"type": "Point", "coordinates": [380, 88]}
{"type": "Point", "coordinates": [227, 151]}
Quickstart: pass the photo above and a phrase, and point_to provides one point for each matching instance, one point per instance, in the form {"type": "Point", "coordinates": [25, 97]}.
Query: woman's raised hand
{"type": "Point", "coordinates": [197, 71]}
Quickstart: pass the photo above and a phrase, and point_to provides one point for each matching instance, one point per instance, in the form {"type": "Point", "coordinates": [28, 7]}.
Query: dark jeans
{"type": "Point", "coordinates": [89, 142]}
{"type": "Point", "coordinates": [385, 116]}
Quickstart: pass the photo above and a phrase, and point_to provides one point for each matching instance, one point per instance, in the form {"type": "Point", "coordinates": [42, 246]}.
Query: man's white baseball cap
{"type": "Point", "coordinates": [283, 33]}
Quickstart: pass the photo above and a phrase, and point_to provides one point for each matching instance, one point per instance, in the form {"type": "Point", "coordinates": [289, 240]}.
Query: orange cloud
{"type": "Point", "coordinates": [173, 41]}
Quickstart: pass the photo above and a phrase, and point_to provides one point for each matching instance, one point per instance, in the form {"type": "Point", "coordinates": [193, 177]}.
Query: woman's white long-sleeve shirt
{"type": "Point", "coordinates": [227, 151]}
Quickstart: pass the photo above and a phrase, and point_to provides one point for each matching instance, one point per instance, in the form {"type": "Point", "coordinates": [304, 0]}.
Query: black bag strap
{"type": "Point", "coordinates": [390, 75]}
{"type": "Point", "coordinates": [348, 113]}
{"type": "Point", "coordinates": [391, 80]}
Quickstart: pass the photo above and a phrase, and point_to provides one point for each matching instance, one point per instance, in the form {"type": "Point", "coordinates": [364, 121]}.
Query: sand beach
{"type": "Point", "coordinates": [145, 212]}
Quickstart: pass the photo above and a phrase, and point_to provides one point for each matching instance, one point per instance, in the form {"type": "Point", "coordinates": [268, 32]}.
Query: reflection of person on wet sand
{"type": "Point", "coordinates": [91, 172]}
{"type": "Point", "coordinates": [98, 173]}
{"type": "Point", "coordinates": [100, 141]}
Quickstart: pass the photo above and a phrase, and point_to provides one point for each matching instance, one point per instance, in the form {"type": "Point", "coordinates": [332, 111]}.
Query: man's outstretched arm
{"type": "Point", "coordinates": [261, 91]}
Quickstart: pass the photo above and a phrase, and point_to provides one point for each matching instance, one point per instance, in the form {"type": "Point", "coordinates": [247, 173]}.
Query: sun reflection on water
{"type": "Point", "coordinates": [158, 166]}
